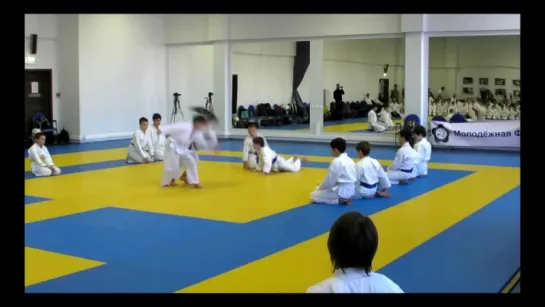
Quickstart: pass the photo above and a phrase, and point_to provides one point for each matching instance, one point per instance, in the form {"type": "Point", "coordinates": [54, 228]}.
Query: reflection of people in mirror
{"type": "Point", "coordinates": [516, 93]}
{"type": "Point", "coordinates": [483, 81]}
{"type": "Point", "coordinates": [468, 90]}
{"type": "Point", "coordinates": [516, 82]}
{"type": "Point", "coordinates": [500, 81]}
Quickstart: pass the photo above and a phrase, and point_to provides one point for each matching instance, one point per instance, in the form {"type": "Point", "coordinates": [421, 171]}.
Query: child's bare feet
{"type": "Point", "coordinates": [403, 182]}
{"type": "Point", "coordinates": [345, 201]}
{"type": "Point", "coordinates": [196, 186]}
{"type": "Point", "coordinates": [384, 194]}
{"type": "Point", "coordinates": [183, 178]}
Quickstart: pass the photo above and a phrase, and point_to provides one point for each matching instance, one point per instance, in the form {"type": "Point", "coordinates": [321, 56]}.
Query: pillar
{"type": "Point", "coordinates": [316, 75]}
{"type": "Point", "coordinates": [222, 86]}
{"type": "Point", "coordinates": [416, 75]}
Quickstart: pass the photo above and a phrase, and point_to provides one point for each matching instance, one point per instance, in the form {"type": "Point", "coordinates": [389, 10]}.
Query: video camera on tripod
{"type": "Point", "coordinates": [176, 107]}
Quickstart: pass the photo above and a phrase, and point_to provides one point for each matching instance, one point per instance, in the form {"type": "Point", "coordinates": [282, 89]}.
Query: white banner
{"type": "Point", "coordinates": [497, 133]}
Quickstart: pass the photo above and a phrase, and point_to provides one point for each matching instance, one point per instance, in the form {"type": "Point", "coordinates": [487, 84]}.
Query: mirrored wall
{"type": "Point", "coordinates": [477, 78]}
{"type": "Point", "coordinates": [269, 85]}
{"type": "Point", "coordinates": [363, 85]}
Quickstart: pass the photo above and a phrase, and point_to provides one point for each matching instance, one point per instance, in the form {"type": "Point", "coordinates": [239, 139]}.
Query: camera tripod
{"type": "Point", "coordinates": [208, 105]}
{"type": "Point", "coordinates": [176, 108]}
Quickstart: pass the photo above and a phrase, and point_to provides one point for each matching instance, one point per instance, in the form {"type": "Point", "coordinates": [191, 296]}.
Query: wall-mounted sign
{"type": "Point", "coordinates": [30, 60]}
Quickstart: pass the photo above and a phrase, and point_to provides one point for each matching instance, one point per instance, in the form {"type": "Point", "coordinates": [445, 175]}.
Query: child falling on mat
{"type": "Point", "coordinates": [250, 157]}
{"type": "Point", "coordinates": [41, 163]}
{"type": "Point", "coordinates": [372, 179]}
{"type": "Point", "coordinates": [423, 147]}
{"type": "Point", "coordinates": [339, 185]}
{"type": "Point", "coordinates": [141, 147]}
{"type": "Point", "coordinates": [402, 169]}
{"type": "Point", "coordinates": [269, 161]}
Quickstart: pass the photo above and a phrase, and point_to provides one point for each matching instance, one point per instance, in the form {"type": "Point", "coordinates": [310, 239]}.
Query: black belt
{"type": "Point", "coordinates": [192, 146]}
{"type": "Point", "coordinates": [274, 160]}
{"type": "Point", "coordinates": [368, 186]}
{"type": "Point", "coordinates": [407, 170]}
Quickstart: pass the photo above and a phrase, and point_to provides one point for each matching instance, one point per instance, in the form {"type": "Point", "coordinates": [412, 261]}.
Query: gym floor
{"type": "Point", "coordinates": [105, 226]}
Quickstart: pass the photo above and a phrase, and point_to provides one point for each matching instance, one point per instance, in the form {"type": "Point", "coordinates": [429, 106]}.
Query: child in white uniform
{"type": "Point", "coordinates": [372, 180]}
{"type": "Point", "coordinates": [41, 163]}
{"type": "Point", "coordinates": [158, 140]}
{"type": "Point", "coordinates": [250, 158]}
{"type": "Point", "coordinates": [402, 169]}
{"type": "Point", "coordinates": [339, 185]}
{"type": "Point", "coordinates": [141, 148]}
{"type": "Point", "coordinates": [269, 161]}
{"type": "Point", "coordinates": [423, 147]}
{"type": "Point", "coordinates": [352, 245]}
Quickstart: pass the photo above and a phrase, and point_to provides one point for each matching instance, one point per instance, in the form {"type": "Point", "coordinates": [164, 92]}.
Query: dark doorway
{"type": "Point", "coordinates": [234, 94]}
{"type": "Point", "coordinates": [384, 90]}
{"type": "Point", "coordinates": [38, 96]}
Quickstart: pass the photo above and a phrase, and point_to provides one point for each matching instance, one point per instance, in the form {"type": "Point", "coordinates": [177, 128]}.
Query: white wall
{"type": "Point", "coordinates": [45, 25]}
{"type": "Point", "coordinates": [190, 73]}
{"type": "Point", "coordinates": [358, 65]}
{"type": "Point", "coordinates": [122, 70]}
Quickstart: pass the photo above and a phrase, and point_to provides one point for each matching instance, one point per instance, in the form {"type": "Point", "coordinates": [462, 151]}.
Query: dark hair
{"type": "Point", "coordinates": [251, 125]}
{"type": "Point", "coordinates": [420, 130]}
{"type": "Point", "coordinates": [406, 134]}
{"type": "Point", "coordinates": [38, 135]}
{"type": "Point", "coordinates": [353, 242]}
{"type": "Point", "coordinates": [199, 119]}
{"type": "Point", "coordinates": [339, 144]}
{"type": "Point", "coordinates": [259, 141]}
{"type": "Point", "coordinates": [142, 120]}
{"type": "Point", "coordinates": [156, 116]}
{"type": "Point", "coordinates": [364, 147]}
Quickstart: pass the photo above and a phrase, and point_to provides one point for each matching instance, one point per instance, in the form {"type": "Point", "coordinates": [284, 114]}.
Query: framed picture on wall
{"type": "Point", "coordinates": [483, 81]}
{"type": "Point", "coordinates": [500, 92]}
{"type": "Point", "coordinates": [468, 90]}
{"type": "Point", "coordinates": [516, 93]}
{"type": "Point", "coordinates": [516, 82]}
{"type": "Point", "coordinates": [499, 81]}
{"type": "Point", "coordinates": [467, 80]}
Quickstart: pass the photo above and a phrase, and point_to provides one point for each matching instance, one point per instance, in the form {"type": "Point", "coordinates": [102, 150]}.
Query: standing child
{"type": "Point", "coordinates": [339, 185]}
{"type": "Point", "coordinates": [423, 147]}
{"type": "Point", "coordinates": [250, 158]}
{"type": "Point", "coordinates": [41, 163]}
{"type": "Point", "coordinates": [370, 175]}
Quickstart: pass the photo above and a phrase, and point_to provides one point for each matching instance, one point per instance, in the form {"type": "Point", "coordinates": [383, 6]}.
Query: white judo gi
{"type": "Point", "coordinates": [269, 161]}
{"type": "Point", "coordinates": [403, 166]}
{"type": "Point", "coordinates": [424, 153]}
{"type": "Point", "coordinates": [183, 141]}
{"type": "Point", "coordinates": [339, 183]}
{"type": "Point", "coordinates": [371, 176]}
{"type": "Point", "coordinates": [373, 122]}
{"type": "Point", "coordinates": [158, 142]}
{"type": "Point", "coordinates": [248, 153]}
{"type": "Point", "coordinates": [41, 161]}
{"type": "Point", "coordinates": [141, 148]}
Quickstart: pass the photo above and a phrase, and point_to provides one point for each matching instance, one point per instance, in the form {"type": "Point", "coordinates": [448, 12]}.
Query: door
{"type": "Point", "coordinates": [38, 96]}
{"type": "Point", "coordinates": [384, 90]}
{"type": "Point", "coordinates": [234, 94]}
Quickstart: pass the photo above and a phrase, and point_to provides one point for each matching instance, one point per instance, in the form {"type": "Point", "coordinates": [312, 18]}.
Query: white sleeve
{"type": "Point", "coordinates": [397, 161]}
{"type": "Point", "coordinates": [35, 157]}
{"type": "Point", "coordinates": [332, 176]}
{"type": "Point", "coordinates": [318, 289]}
{"type": "Point", "coordinates": [150, 146]}
{"type": "Point", "coordinates": [136, 144]}
{"type": "Point", "coordinates": [267, 162]}
{"type": "Point", "coordinates": [245, 151]}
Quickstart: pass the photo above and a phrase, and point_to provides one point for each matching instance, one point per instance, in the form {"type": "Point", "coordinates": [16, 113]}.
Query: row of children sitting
{"type": "Point", "coordinates": [471, 108]}
{"type": "Point", "coordinates": [347, 180]}
{"type": "Point", "coordinates": [379, 118]}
